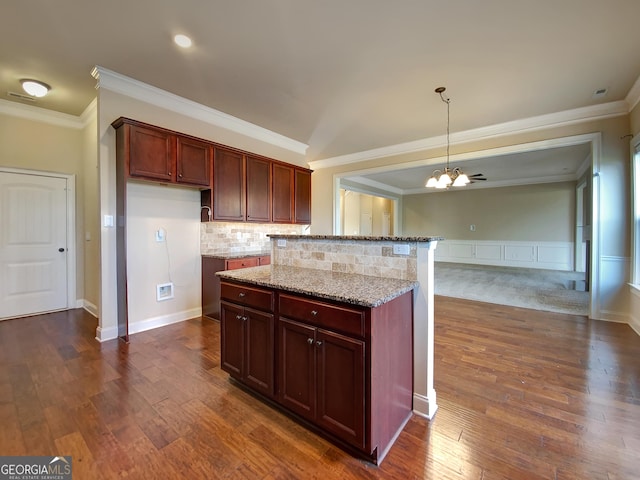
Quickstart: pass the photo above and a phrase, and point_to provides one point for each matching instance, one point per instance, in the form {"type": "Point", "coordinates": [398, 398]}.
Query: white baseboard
{"type": "Point", "coordinates": [163, 320]}
{"type": "Point", "coordinates": [424, 406]}
{"type": "Point", "coordinates": [89, 307]}
{"type": "Point", "coordinates": [502, 253]}
{"type": "Point", "coordinates": [105, 334]}
{"type": "Point", "coordinates": [634, 315]}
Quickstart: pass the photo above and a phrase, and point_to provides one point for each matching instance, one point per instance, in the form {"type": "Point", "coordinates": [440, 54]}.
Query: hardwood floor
{"type": "Point", "coordinates": [523, 394]}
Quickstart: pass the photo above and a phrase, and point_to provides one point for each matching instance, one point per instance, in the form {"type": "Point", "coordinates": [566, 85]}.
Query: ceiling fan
{"type": "Point", "coordinates": [477, 177]}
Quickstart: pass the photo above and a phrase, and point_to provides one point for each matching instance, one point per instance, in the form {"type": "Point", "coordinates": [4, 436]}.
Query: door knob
{"type": "Point", "coordinates": [61, 249]}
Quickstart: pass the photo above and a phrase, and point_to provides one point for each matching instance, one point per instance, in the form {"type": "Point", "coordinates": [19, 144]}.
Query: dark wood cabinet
{"type": "Point", "coordinates": [159, 155]}
{"type": "Point", "coordinates": [258, 190]}
{"type": "Point", "coordinates": [247, 336]}
{"type": "Point", "coordinates": [193, 162]}
{"type": "Point", "coordinates": [341, 369]}
{"type": "Point", "coordinates": [302, 196]}
{"type": "Point", "coordinates": [321, 377]}
{"type": "Point", "coordinates": [151, 153]}
{"type": "Point", "coordinates": [211, 282]}
{"type": "Point", "coordinates": [229, 187]}
{"type": "Point", "coordinates": [283, 185]}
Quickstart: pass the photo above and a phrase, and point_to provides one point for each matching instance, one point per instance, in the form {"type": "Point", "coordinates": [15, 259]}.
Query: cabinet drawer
{"type": "Point", "coordinates": [242, 263]}
{"type": "Point", "coordinates": [249, 296]}
{"type": "Point", "coordinates": [333, 317]}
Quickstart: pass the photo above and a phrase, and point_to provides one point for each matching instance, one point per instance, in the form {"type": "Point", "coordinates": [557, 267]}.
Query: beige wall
{"type": "Point", "coordinates": [525, 213]}
{"type": "Point", "coordinates": [614, 167]}
{"type": "Point", "coordinates": [611, 184]}
{"type": "Point", "coordinates": [37, 145]}
{"type": "Point", "coordinates": [91, 234]}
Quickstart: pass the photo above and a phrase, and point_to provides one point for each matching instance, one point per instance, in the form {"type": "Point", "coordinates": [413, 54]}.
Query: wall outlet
{"type": "Point", "coordinates": [164, 291]}
{"type": "Point", "coordinates": [160, 235]}
{"type": "Point", "coordinates": [401, 249]}
{"type": "Point", "coordinates": [472, 227]}
{"type": "Point", "coordinates": [282, 242]}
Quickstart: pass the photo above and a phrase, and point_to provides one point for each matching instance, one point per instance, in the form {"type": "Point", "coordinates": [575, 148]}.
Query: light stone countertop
{"type": "Point", "coordinates": [363, 290]}
{"type": "Point", "coordinates": [358, 238]}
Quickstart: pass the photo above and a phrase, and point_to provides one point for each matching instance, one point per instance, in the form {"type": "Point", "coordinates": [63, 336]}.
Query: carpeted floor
{"type": "Point", "coordinates": [550, 290]}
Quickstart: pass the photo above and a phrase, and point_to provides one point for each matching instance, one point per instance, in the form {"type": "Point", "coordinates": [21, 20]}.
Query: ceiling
{"type": "Point", "coordinates": [341, 76]}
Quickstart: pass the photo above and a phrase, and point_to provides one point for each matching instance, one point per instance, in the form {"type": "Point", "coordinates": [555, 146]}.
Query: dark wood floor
{"type": "Point", "coordinates": [522, 394]}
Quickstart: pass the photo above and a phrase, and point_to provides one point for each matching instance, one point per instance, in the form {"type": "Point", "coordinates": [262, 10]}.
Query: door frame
{"type": "Point", "coordinates": [71, 299]}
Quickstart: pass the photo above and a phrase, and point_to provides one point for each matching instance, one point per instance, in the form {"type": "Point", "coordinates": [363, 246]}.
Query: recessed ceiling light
{"type": "Point", "coordinates": [182, 41]}
{"type": "Point", "coordinates": [35, 88]}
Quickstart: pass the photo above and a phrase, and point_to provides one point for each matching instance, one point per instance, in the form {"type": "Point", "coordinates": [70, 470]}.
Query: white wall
{"type": "Point", "coordinates": [177, 212]}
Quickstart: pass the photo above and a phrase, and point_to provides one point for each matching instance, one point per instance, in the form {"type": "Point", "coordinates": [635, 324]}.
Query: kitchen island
{"type": "Point", "coordinates": [327, 333]}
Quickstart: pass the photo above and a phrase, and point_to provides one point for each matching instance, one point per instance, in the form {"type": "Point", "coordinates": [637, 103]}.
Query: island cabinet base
{"type": "Point", "coordinates": [344, 370]}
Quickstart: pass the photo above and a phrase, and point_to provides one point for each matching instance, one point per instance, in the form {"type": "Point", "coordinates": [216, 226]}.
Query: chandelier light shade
{"type": "Point", "coordinates": [449, 177]}
{"type": "Point", "coordinates": [35, 88]}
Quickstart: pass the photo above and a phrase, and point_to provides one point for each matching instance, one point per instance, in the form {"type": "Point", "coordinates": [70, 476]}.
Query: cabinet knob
{"type": "Point", "coordinates": [242, 294]}
{"type": "Point", "coordinates": [314, 312]}
{"type": "Point", "coordinates": [238, 317]}
{"type": "Point", "coordinates": [318, 343]}
{"type": "Point", "coordinates": [244, 319]}
{"type": "Point", "coordinates": [169, 173]}
{"type": "Point", "coordinates": [180, 175]}
{"type": "Point", "coordinates": [310, 341]}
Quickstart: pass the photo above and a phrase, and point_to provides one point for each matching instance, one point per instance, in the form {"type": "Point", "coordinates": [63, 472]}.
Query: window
{"type": "Point", "coordinates": [635, 199]}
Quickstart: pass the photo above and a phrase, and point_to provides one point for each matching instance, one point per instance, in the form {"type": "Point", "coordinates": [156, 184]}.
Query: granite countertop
{"type": "Point", "coordinates": [234, 255]}
{"type": "Point", "coordinates": [359, 237]}
{"type": "Point", "coordinates": [363, 290]}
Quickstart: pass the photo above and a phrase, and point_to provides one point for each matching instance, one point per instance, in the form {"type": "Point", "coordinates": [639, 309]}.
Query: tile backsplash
{"type": "Point", "coordinates": [221, 238]}
{"type": "Point", "coordinates": [375, 258]}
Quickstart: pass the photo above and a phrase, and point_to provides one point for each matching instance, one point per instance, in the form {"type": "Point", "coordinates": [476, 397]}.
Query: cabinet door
{"type": "Point", "coordinates": [232, 342]}
{"type": "Point", "coordinates": [259, 350]}
{"type": "Point", "coordinates": [341, 386]}
{"type": "Point", "coordinates": [302, 202]}
{"type": "Point", "coordinates": [282, 193]}
{"type": "Point", "coordinates": [193, 161]}
{"type": "Point", "coordinates": [228, 185]}
{"type": "Point", "coordinates": [151, 153]}
{"type": "Point", "coordinates": [296, 367]}
{"type": "Point", "coordinates": [258, 190]}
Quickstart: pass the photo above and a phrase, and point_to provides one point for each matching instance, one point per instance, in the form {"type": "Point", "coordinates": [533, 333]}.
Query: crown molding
{"type": "Point", "coordinates": [38, 114]}
{"type": "Point", "coordinates": [130, 87]}
{"type": "Point", "coordinates": [633, 97]}
{"type": "Point", "coordinates": [552, 120]}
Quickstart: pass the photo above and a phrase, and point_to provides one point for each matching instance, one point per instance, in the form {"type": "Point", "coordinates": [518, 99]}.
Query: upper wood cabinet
{"type": "Point", "coordinates": [236, 185]}
{"type": "Point", "coordinates": [258, 189]}
{"type": "Point", "coordinates": [193, 161]}
{"type": "Point", "coordinates": [282, 193]}
{"type": "Point", "coordinates": [302, 196]}
{"type": "Point", "coordinates": [229, 187]}
{"type": "Point", "coordinates": [155, 154]}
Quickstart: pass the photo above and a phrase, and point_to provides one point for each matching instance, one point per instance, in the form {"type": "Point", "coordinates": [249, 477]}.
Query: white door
{"type": "Point", "coordinates": [33, 244]}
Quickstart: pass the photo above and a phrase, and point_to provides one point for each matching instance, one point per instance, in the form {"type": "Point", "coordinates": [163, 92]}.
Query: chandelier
{"type": "Point", "coordinates": [449, 176]}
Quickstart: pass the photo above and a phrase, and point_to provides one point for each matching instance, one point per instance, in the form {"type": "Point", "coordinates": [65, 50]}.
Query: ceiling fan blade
{"type": "Point", "coordinates": [477, 178]}
{"type": "Point", "coordinates": [476, 175]}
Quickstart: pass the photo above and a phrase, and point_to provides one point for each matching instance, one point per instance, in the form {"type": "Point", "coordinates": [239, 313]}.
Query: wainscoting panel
{"type": "Point", "coordinates": [545, 255]}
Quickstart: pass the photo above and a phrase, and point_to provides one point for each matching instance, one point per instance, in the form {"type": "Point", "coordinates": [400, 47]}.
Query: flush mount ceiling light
{"type": "Point", "coordinates": [35, 88]}
{"type": "Point", "coordinates": [448, 177]}
{"type": "Point", "coordinates": [182, 41]}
